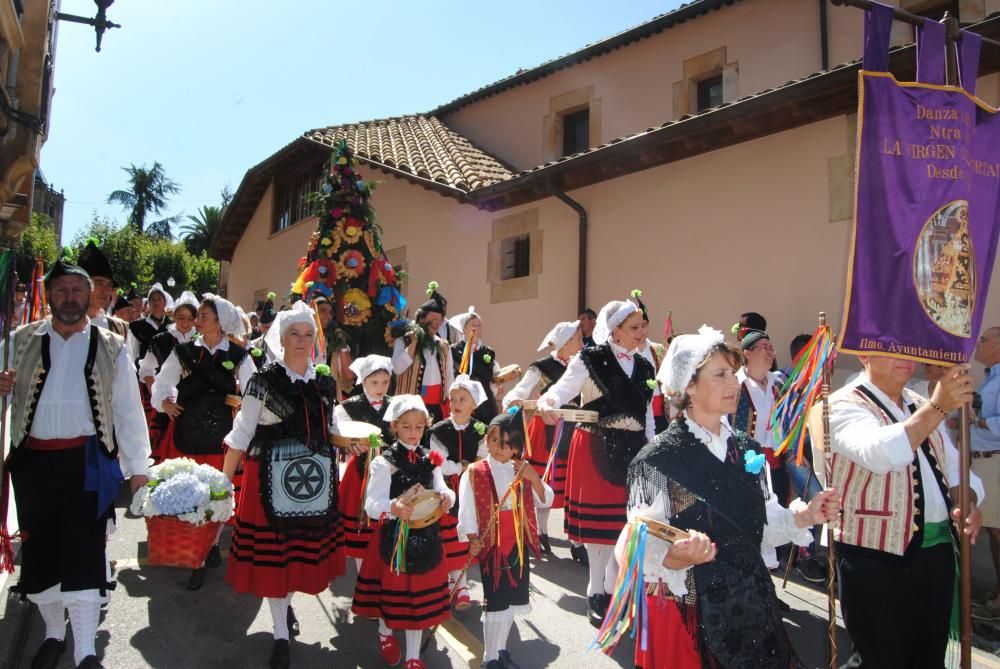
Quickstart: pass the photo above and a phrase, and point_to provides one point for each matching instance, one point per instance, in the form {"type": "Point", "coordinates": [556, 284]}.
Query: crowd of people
{"type": "Point", "coordinates": [452, 470]}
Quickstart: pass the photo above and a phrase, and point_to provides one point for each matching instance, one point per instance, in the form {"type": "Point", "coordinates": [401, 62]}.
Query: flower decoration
{"type": "Point", "coordinates": [431, 287]}
{"type": "Point", "coordinates": [487, 358]}
{"type": "Point", "coordinates": [228, 364]}
{"type": "Point", "coordinates": [322, 369]}
{"type": "Point", "coordinates": [303, 261]}
{"type": "Point", "coordinates": [374, 441]}
{"type": "Point", "coordinates": [436, 458]}
{"type": "Point", "coordinates": [479, 427]}
{"type": "Point", "coordinates": [373, 248]}
{"type": "Point", "coordinates": [651, 384]}
{"type": "Point", "coordinates": [357, 307]}
{"type": "Point", "coordinates": [352, 264]}
{"type": "Point", "coordinates": [350, 230]}
{"type": "Point", "coordinates": [182, 488]}
{"type": "Point", "coordinates": [636, 294]}
{"type": "Point", "coordinates": [271, 295]}
{"type": "Point", "coordinates": [256, 352]}
{"type": "Point", "coordinates": [736, 328]}
{"type": "Point", "coordinates": [753, 461]}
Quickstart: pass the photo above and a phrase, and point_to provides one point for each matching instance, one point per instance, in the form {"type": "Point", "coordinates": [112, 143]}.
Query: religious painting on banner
{"type": "Point", "coordinates": [927, 195]}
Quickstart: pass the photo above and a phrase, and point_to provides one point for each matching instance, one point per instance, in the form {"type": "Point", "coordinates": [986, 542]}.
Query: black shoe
{"type": "Point", "coordinates": [48, 654]}
{"type": "Point", "coordinates": [812, 569]}
{"type": "Point", "coordinates": [493, 664]}
{"type": "Point", "coordinates": [783, 607]}
{"type": "Point", "coordinates": [90, 662]}
{"type": "Point", "coordinates": [579, 554]}
{"type": "Point", "coordinates": [280, 655]}
{"type": "Point", "coordinates": [506, 661]}
{"type": "Point", "coordinates": [293, 622]}
{"type": "Point", "coordinates": [197, 578]}
{"type": "Point", "coordinates": [543, 544]}
{"type": "Point", "coordinates": [597, 606]}
{"type": "Point", "coordinates": [214, 559]}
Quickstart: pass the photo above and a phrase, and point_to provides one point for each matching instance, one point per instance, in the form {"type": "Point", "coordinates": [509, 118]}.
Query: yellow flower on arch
{"type": "Point", "coordinates": [357, 307]}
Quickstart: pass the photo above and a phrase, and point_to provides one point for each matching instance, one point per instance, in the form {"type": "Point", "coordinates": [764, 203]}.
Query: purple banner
{"type": "Point", "coordinates": [926, 224]}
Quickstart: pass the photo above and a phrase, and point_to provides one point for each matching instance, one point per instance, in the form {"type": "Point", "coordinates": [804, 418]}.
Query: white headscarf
{"type": "Point", "coordinates": [559, 335]}
{"type": "Point", "coordinates": [684, 355]}
{"type": "Point", "coordinates": [188, 298]}
{"type": "Point", "coordinates": [229, 318]}
{"type": "Point", "coordinates": [475, 388]}
{"type": "Point", "coordinates": [400, 404]}
{"type": "Point", "coordinates": [369, 364]}
{"type": "Point", "coordinates": [458, 322]}
{"type": "Point", "coordinates": [158, 288]}
{"type": "Point", "coordinates": [611, 316]}
{"type": "Point", "coordinates": [300, 312]}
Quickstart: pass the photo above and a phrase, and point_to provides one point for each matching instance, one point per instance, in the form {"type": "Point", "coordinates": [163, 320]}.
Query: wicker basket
{"type": "Point", "coordinates": [174, 543]}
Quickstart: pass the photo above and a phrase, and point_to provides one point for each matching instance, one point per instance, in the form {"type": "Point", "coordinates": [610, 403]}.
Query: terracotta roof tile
{"type": "Point", "coordinates": [419, 145]}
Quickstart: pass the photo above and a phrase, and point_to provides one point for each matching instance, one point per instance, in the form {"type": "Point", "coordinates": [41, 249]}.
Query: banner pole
{"type": "Point", "coordinates": [952, 35]}
{"type": "Point", "coordinates": [831, 558]}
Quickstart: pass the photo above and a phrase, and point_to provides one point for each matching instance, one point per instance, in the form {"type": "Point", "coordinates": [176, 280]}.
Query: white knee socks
{"type": "Point", "coordinates": [279, 615]}
{"type": "Point", "coordinates": [84, 616]}
{"type": "Point", "coordinates": [598, 557]}
{"type": "Point", "coordinates": [383, 629]}
{"type": "Point", "coordinates": [54, 615]}
{"type": "Point", "coordinates": [543, 520]}
{"type": "Point", "coordinates": [495, 633]}
{"type": "Point", "coordinates": [357, 563]}
{"type": "Point", "coordinates": [413, 638]}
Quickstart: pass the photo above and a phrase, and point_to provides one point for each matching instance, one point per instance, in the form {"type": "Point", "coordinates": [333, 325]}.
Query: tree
{"type": "Point", "coordinates": [148, 193]}
{"type": "Point", "coordinates": [38, 239]}
{"type": "Point", "coordinates": [198, 234]}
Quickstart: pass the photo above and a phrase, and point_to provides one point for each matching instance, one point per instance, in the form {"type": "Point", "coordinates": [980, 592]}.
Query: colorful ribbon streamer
{"type": "Point", "coordinates": [627, 610]}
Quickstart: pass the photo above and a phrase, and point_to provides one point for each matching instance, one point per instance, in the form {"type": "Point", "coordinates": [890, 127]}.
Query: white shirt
{"type": "Point", "coordinates": [503, 477]}
{"type": "Point", "coordinates": [577, 381]}
{"type": "Point", "coordinates": [340, 414]}
{"type": "Point", "coordinates": [763, 402]}
{"type": "Point", "coordinates": [133, 343]}
{"type": "Point", "coordinates": [779, 529]}
{"type": "Point", "coordinates": [859, 435]}
{"type": "Point", "coordinates": [377, 502]}
{"type": "Point", "coordinates": [64, 411]}
{"type": "Point", "coordinates": [253, 413]}
{"type": "Point", "coordinates": [450, 467]}
{"type": "Point", "coordinates": [148, 365]}
{"type": "Point", "coordinates": [526, 385]}
{"type": "Point", "coordinates": [165, 383]}
{"type": "Point", "coordinates": [401, 361]}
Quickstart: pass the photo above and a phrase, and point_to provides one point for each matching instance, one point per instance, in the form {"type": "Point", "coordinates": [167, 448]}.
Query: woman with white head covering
{"type": "Point", "coordinates": [198, 386]}
{"type": "Point", "coordinates": [565, 340]}
{"type": "Point", "coordinates": [142, 331]}
{"type": "Point", "coordinates": [613, 380]}
{"type": "Point", "coordinates": [285, 541]}
{"type": "Point", "coordinates": [373, 372]}
{"type": "Point", "coordinates": [482, 364]}
{"type": "Point", "coordinates": [702, 476]}
{"type": "Point", "coordinates": [181, 330]}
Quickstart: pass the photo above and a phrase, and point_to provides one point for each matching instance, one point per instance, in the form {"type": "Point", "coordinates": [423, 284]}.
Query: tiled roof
{"type": "Point", "coordinates": [421, 146]}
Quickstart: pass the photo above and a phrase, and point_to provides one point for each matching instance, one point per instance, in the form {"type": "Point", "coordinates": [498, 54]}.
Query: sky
{"type": "Point", "coordinates": [209, 88]}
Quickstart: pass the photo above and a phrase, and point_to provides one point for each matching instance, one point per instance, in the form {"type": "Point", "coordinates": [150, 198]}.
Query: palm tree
{"type": "Point", "coordinates": [198, 234]}
{"type": "Point", "coordinates": [149, 190]}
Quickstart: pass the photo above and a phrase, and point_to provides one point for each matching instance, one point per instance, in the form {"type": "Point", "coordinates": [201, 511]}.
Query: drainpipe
{"type": "Point", "coordinates": [581, 280]}
{"type": "Point", "coordinates": [824, 40]}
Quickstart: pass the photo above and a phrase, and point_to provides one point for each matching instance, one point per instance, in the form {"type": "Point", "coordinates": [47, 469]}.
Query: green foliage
{"type": "Point", "coordinates": [198, 234]}
{"type": "Point", "coordinates": [148, 191]}
{"type": "Point", "coordinates": [38, 239]}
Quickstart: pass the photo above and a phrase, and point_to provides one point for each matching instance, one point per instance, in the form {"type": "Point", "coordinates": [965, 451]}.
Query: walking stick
{"type": "Point", "coordinates": [831, 560]}
{"type": "Point", "coordinates": [468, 562]}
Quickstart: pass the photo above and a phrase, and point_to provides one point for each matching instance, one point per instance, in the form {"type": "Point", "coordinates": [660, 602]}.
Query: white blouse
{"type": "Point", "coordinates": [148, 365]}
{"type": "Point", "coordinates": [377, 501]}
{"type": "Point", "coordinates": [165, 383]}
{"type": "Point", "coordinates": [526, 385]}
{"type": "Point", "coordinates": [779, 529]}
{"type": "Point", "coordinates": [503, 477]}
{"type": "Point", "coordinates": [340, 414]}
{"type": "Point", "coordinates": [450, 467]}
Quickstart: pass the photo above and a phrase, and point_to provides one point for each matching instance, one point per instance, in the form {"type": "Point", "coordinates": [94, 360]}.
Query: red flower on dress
{"type": "Point", "coordinates": [436, 458]}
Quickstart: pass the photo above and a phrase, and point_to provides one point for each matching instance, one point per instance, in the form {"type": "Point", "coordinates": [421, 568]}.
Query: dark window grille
{"type": "Point", "coordinates": [710, 92]}
{"type": "Point", "coordinates": [576, 132]}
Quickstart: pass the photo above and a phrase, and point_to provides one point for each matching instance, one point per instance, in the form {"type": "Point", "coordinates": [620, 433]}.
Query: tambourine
{"type": "Point", "coordinates": [661, 530]}
{"type": "Point", "coordinates": [507, 373]}
{"type": "Point", "coordinates": [568, 415]}
{"type": "Point", "coordinates": [354, 433]}
{"type": "Point", "coordinates": [428, 507]}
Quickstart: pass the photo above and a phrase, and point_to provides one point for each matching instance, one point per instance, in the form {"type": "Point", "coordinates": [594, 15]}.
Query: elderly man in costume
{"type": "Point", "coordinates": [75, 416]}
{"type": "Point", "coordinates": [429, 371]}
{"type": "Point", "coordinates": [897, 470]}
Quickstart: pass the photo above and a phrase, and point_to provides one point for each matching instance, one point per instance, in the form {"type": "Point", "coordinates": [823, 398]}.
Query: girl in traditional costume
{"type": "Point", "coordinates": [373, 373]}
{"type": "Point", "coordinates": [710, 599]}
{"type": "Point", "coordinates": [199, 386]}
{"type": "Point", "coordinates": [479, 363]}
{"type": "Point", "coordinates": [565, 340]}
{"type": "Point", "coordinates": [613, 380]}
{"type": "Point", "coordinates": [496, 517]}
{"type": "Point", "coordinates": [459, 439]}
{"type": "Point", "coordinates": [404, 577]}
{"type": "Point", "coordinates": [288, 536]}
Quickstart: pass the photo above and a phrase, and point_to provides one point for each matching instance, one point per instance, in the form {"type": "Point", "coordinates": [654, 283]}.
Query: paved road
{"type": "Point", "coordinates": [152, 621]}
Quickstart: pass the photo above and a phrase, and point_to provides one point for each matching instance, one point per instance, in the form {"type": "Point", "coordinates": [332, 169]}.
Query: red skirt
{"type": "Point", "coordinates": [357, 525]}
{"type": "Point", "coordinates": [456, 553]}
{"type": "Point", "coordinates": [156, 435]}
{"type": "Point", "coordinates": [537, 454]}
{"type": "Point", "coordinates": [404, 601]}
{"type": "Point", "coordinates": [669, 639]}
{"type": "Point", "coordinates": [595, 509]}
{"type": "Point", "coordinates": [168, 450]}
{"type": "Point", "coordinates": [267, 563]}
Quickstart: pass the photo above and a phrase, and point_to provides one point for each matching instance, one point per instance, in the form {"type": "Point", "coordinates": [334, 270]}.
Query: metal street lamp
{"type": "Point", "coordinates": [100, 22]}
